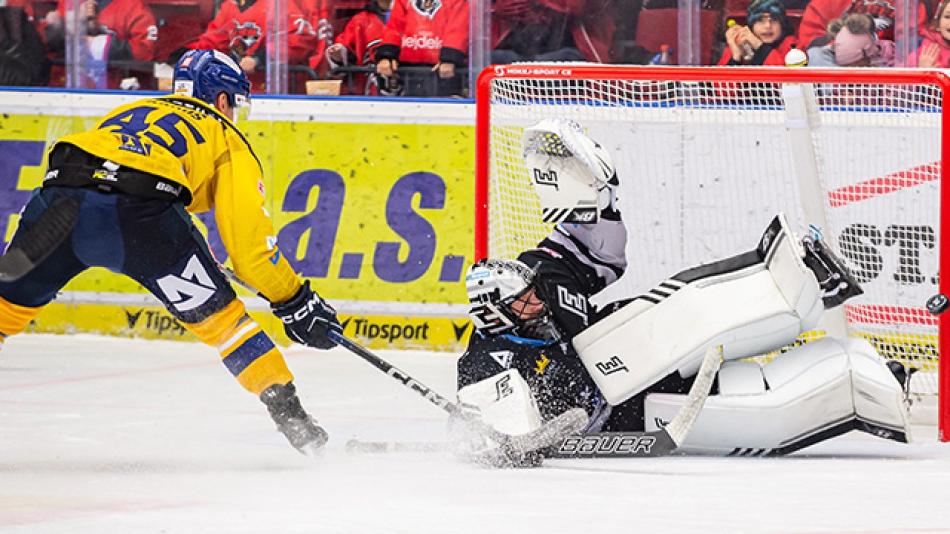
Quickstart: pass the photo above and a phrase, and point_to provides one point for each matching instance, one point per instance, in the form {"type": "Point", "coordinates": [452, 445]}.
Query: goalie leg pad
{"type": "Point", "coordinates": [812, 393]}
{"type": "Point", "coordinates": [749, 304]}
{"type": "Point", "coordinates": [504, 402]}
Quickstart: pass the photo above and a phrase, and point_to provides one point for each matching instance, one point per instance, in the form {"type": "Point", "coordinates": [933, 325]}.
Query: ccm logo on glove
{"type": "Point", "coordinates": [315, 303]}
{"type": "Point", "coordinates": [308, 319]}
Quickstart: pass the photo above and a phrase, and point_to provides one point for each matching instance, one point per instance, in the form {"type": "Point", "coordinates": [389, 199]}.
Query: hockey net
{"type": "Point", "coordinates": [707, 156]}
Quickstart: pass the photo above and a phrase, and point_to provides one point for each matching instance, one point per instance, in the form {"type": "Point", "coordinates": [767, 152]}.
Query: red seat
{"type": "Point", "coordinates": [203, 9]}
{"type": "Point", "coordinates": [348, 5]}
{"type": "Point", "coordinates": [180, 21]}
{"type": "Point", "coordinates": [737, 9]}
{"type": "Point", "coordinates": [657, 27]}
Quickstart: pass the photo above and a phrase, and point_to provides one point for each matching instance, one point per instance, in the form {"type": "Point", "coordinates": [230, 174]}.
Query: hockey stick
{"type": "Point", "coordinates": [551, 435]}
{"type": "Point", "coordinates": [602, 444]}
{"type": "Point", "coordinates": [387, 368]}
{"type": "Point", "coordinates": [510, 447]}
{"type": "Point", "coordinates": [40, 239]}
{"type": "Point", "coordinates": [511, 450]}
{"type": "Point", "coordinates": [398, 374]}
{"type": "Point", "coordinates": [648, 444]}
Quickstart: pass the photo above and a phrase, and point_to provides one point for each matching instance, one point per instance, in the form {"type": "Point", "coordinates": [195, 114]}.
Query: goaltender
{"type": "Point", "coordinates": [541, 348]}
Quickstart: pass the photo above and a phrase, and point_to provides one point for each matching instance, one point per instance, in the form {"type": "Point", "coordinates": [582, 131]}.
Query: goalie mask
{"type": "Point", "coordinates": [504, 298]}
{"type": "Point", "coordinates": [573, 175]}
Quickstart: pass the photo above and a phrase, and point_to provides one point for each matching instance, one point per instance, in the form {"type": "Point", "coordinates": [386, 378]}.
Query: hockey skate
{"type": "Point", "coordinates": [837, 283]}
{"type": "Point", "coordinates": [292, 421]}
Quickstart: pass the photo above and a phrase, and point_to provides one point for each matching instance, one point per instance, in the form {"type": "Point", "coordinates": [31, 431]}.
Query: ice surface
{"type": "Point", "coordinates": [102, 435]}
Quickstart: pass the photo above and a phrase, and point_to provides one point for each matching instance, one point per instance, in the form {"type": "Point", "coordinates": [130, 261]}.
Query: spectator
{"type": "Point", "coordinates": [240, 28]}
{"type": "Point", "coordinates": [22, 52]}
{"type": "Point", "coordinates": [934, 51]}
{"type": "Point", "coordinates": [819, 13]}
{"type": "Point", "coordinates": [551, 30]}
{"type": "Point", "coordinates": [854, 43]}
{"type": "Point", "coordinates": [356, 44]}
{"type": "Point", "coordinates": [25, 5]}
{"type": "Point", "coordinates": [429, 33]}
{"type": "Point", "coordinates": [115, 31]}
{"type": "Point", "coordinates": [816, 17]}
{"type": "Point", "coordinates": [769, 38]}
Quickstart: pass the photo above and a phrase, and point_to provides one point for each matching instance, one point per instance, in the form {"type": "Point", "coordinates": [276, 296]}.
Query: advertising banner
{"type": "Point", "coordinates": [371, 202]}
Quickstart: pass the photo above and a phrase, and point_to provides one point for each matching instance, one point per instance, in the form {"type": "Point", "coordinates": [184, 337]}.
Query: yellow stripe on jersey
{"type": "Point", "coordinates": [255, 361]}
{"type": "Point", "coordinates": [14, 318]}
{"type": "Point", "coordinates": [245, 349]}
{"type": "Point", "coordinates": [219, 327]}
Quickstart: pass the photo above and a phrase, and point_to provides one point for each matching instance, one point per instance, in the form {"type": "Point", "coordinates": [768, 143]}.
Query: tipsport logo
{"type": "Point", "coordinates": [156, 321]}
{"type": "Point", "coordinates": [389, 331]}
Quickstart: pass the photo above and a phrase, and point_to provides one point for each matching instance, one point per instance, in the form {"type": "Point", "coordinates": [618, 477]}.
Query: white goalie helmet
{"type": "Point", "coordinates": [573, 175]}
{"type": "Point", "coordinates": [493, 285]}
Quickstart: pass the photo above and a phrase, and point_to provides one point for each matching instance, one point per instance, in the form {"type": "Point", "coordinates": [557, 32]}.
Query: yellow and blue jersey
{"type": "Point", "coordinates": [187, 141]}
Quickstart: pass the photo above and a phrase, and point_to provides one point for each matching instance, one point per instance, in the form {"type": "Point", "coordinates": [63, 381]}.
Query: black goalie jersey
{"type": "Point", "coordinates": [553, 371]}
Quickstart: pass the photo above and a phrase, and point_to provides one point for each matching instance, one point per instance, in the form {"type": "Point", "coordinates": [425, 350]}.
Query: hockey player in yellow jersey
{"type": "Point", "coordinates": [118, 196]}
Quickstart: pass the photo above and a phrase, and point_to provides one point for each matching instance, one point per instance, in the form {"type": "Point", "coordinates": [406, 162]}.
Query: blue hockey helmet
{"type": "Point", "coordinates": [204, 74]}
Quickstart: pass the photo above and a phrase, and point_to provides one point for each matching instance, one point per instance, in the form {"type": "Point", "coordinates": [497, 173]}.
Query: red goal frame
{"type": "Point", "coordinates": [729, 74]}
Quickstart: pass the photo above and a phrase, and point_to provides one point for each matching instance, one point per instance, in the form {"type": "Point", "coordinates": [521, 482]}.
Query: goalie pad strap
{"type": "Point", "coordinates": [811, 393]}
{"type": "Point", "coordinates": [750, 304]}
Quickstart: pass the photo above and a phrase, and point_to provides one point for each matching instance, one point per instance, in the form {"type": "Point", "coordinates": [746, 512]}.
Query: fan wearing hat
{"type": "Point", "coordinates": [769, 35]}
{"type": "Point", "coordinates": [854, 43]}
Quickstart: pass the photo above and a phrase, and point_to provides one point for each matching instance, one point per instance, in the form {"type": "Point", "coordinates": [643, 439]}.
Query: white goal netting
{"type": "Point", "coordinates": [705, 165]}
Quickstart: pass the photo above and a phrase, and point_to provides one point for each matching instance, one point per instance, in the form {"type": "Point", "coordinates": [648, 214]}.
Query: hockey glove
{"type": "Point", "coordinates": [308, 319]}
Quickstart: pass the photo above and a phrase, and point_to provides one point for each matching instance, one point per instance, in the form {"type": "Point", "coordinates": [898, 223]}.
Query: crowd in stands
{"type": "Point", "coordinates": [421, 47]}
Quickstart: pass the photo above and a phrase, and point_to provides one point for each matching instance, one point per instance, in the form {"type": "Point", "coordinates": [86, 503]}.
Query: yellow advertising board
{"type": "Point", "coordinates": [377, 214]}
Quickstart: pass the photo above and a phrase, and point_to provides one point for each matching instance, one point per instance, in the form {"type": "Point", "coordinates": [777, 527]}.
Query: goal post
{"type": "Point", "coordinates": [706, 156]}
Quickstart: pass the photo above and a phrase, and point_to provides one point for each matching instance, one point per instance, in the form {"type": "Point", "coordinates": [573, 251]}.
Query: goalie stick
{"type": "Point", "coordinates": [601, 444]}
{"type": "Point", "coordinates": [40, 239]}
{"type": "Point", "coordinates": [511, 450]}
{"type": "Point", "coordinates": [646, 444]}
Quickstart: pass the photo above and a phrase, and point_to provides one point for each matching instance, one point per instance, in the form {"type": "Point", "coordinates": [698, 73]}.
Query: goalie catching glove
{"type": "Point", "coordinates": [573, 175]}
{"type": "Point", "coordinates": [308, 319]}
